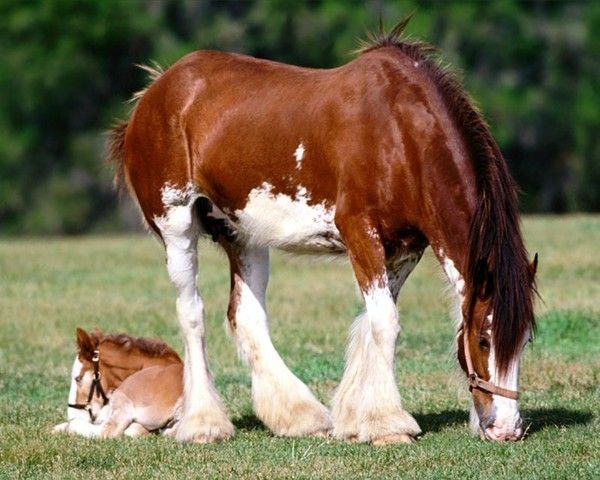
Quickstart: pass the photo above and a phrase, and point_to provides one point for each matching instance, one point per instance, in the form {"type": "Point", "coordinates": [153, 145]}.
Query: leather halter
{"type": "Point", "coordinates": [95, 389]}
{"type": "Point", "coordinates": [475, 381]}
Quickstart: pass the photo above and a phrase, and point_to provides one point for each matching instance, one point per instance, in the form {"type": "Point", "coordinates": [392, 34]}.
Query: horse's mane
{"type": "Point", "coordinates": [496, 263]}
{"type": "Point", "coordinates": [151, 347]}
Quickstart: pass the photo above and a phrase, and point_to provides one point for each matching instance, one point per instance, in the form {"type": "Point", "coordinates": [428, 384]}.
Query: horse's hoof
{"type": "Point", "coordinates": [205, 428]}
{"type": "Point", "coordinates": [321, 434]}
{"type": "Point", "coordinates": [393, 438]}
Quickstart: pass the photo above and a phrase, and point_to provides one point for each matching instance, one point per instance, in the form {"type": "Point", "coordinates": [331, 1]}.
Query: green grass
{"type": "Point", "coordinates": [50, 286]}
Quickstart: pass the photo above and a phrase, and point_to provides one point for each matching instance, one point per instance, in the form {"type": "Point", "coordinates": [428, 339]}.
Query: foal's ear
{"type": "Point", "coordinates": [533, 267]}
{"type": "Point", "coordinates": [85, 344]}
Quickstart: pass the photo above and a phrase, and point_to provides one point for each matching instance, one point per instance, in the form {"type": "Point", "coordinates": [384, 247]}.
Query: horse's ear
{"type": "Point", "coordinates": [85, 344]}
{"type": "Point", "coordinates": [533, 267]}
{"type": "Point", "coordinates": [96, 335]}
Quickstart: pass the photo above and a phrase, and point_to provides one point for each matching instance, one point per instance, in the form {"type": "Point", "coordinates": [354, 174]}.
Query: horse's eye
{"type": "Point", "coordinates": [483, 343]}
{"type": "Point", "coordinates": [78, 378]}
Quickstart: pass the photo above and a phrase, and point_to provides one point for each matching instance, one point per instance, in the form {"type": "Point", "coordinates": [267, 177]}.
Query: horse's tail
{"type": "Point", "coordinates": [115, 152]}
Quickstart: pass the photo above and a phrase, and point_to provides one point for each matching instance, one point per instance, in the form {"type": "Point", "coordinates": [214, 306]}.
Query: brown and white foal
{"type": "Point", "coordinates": [377, 159]}
{"type": "Point", "coordinates": [122, 385]}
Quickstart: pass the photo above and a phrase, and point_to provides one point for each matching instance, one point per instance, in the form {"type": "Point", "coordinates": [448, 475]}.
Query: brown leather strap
{"type": "Point", "coordinates": [95, 389]}
{"type": "Point", "coordinates": [475, 381]}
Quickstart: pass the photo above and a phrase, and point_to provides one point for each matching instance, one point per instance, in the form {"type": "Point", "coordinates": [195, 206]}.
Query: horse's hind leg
{"type": "Point", "coordinates": [204, 418]}
{"type": "Point", "coordinates": [281, 401]}
{"type": "Point", "coordinates": [367, 406]}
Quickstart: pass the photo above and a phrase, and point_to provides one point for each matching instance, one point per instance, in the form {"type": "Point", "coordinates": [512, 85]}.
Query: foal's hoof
{"type": "Point", "coordinates": [61, 427]}
{"type": "Point", "coordinates": [393, 438]}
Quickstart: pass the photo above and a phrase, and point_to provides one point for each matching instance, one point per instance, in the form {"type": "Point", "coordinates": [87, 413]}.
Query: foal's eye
{"type": "Point", "coordinates": [483, 343]}
{"type": "Point", "coordinates": [78, 378]}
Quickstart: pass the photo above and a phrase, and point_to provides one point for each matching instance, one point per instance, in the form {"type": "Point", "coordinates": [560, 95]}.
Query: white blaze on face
{"type": "Point", "coordinates": [299, 155]}
{"type": "Point", "coordinates": [287, 222]}
{"type": "Point", "coordinates": [73, 413]}
{"type": "Point", "coordinates": [506, 410]}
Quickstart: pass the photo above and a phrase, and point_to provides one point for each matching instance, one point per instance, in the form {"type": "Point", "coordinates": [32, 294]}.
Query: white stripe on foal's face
{"type": "Point", "coordinates": [73, 413]}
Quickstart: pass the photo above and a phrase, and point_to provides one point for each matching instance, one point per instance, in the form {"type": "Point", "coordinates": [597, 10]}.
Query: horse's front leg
{"type": "Point", "coordinates": [281, 401]}
{"type": "Point", "coordinates": [204, 418]}
{"type": "Point", "coordinates": [367, 406]}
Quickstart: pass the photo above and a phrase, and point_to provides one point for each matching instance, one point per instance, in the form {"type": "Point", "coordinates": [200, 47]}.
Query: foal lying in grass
{"type": "Point", "coordinates": [123, 385]}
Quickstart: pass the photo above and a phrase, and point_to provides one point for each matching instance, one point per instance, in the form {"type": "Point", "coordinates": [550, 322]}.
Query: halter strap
{"type": "Point", "coordinates": [95, 389]}
{"type": "Point", "coordinates": [475, 381]}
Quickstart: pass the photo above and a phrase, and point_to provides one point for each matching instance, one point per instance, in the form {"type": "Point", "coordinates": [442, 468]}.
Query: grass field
{"type": "Point", "coordinates": [50, 286]}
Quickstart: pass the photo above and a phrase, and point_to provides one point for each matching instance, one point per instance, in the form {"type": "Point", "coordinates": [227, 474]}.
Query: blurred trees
{"type": "Point", "coordinates": [67, 70]}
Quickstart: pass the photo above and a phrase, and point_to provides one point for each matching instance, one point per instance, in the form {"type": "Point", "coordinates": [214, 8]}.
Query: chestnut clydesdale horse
{"type": "Point", "coordinates": [376, 159]}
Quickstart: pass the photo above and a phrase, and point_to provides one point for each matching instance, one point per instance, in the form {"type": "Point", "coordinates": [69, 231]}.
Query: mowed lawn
{"type": "Point", "coordinates": [119, 283]}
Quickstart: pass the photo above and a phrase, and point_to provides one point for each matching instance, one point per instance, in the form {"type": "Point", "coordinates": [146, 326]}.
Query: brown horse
{"type": "Point", "coordinates": [377, 159]}
{"type": "Point", "coordinates": [121, 384]}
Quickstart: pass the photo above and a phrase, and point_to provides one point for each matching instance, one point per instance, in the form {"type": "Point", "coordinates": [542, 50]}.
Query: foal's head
{"type": "Point", "coordinates": [87, 394]}
{"type": "Point", "coordinates": [490, 343]}
{"type": "Point", "coordinates": [104, 361]}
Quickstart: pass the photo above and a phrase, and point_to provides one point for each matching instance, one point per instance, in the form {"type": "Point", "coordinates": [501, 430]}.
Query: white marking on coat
{"type": "Point", "coordinates": [457, 284]}
{"type": "Point", "coordinates": [506, 410]}
{"type": "Point", "coordinates": [172, 196]}
{"type": "Point", "coordinates": [180, 230]}
{"type": "Point", "coordinates": [73, 413]}
{"type": "Point", "coordinates": [280, 399]}
{"type": "Point", "coordinates": [368, 390]}
{"type": "Point", "coordinates": [299, 155]}
{"type": "Point", "coordinates": [373, 233]}
{"type": "Point", "coordinates": [289, 223]}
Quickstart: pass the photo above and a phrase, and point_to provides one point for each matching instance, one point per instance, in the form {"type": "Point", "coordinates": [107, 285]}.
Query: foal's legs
{"type": "Point", "coordinates": [367, 405]}
{"type": "Point", "coordinates": [281, 401]}
{"type": "Point", "coordinates": [204, 418]}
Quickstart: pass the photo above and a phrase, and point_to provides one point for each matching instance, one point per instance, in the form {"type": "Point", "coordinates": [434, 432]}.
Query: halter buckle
{"type": "Point", "coordinates": [473, 380]}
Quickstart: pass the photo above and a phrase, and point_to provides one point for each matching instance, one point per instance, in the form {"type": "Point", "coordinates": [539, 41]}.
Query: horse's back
{"type": "Point", "coordinates": [276, 145]}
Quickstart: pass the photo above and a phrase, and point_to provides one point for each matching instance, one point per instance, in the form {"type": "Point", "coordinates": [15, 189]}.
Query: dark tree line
{"type": "Point", "coordinates": [68, 66]}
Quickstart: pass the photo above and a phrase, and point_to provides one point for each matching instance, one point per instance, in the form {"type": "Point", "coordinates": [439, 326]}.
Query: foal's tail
{"type": "Point", "coordinates": [115, 152]}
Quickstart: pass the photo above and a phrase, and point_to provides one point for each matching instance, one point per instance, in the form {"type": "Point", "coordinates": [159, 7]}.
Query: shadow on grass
{"type": "Point", "coordinates": [540, 418]}
{"type": "Point", "coordinates": [434, 422]}
{"type": "Point", "coordinates": [536, 420]}
{"type": "Point", "coordinates": [248, 423]}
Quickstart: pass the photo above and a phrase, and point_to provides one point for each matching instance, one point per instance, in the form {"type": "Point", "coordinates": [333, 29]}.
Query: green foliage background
{"type": "Point", "coordinates": [67, 68]}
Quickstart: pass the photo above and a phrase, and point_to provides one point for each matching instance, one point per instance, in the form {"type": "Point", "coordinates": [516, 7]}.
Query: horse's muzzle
{"type": "Point", "coordinates": [500, 432]}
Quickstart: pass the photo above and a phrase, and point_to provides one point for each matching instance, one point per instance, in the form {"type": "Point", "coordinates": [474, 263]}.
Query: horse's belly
{"type": "Point", "coordinates": [289, 223]}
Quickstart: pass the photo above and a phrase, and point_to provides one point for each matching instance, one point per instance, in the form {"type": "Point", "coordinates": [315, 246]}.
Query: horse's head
{"type": "Point", "coordinates": [490, 343]}
{"type": "Point", "coordinates": [87, 394]}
